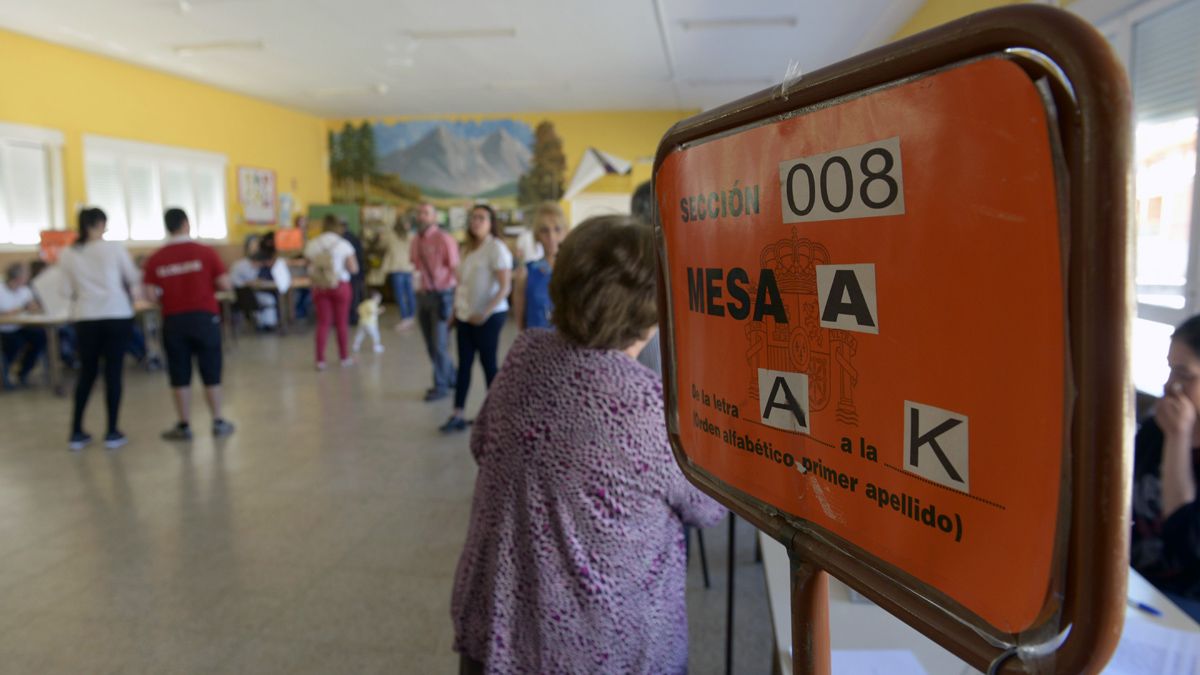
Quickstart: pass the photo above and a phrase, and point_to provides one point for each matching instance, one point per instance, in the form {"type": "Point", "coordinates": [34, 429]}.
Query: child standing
{"type": "Point", "coordinates": [368, 321]}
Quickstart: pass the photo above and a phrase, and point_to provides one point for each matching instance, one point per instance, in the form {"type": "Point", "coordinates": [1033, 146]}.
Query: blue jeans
{"type": "Point", "coordinates": [433, 313]}
{"type": "Point", "coordinates": [402, 288]}
{"type": "Point", "coordinates": [484, 339]}
{"type": "Point", "coordinates": [32, 340]}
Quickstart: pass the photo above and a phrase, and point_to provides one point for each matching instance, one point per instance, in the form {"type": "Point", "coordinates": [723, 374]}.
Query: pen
{"type": "Point", "coordinates": [1144, 607]}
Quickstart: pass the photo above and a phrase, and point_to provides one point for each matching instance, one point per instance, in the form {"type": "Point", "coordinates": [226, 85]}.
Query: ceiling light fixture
{"type": "Point", "coordinates": [740, 22]}
{"type": "Point", "coordinates": [463, 34]}
{"type": "Point", "coordinates": [219, 46]}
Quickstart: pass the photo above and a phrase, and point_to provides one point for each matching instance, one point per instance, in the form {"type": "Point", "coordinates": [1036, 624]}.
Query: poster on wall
{"type": "Point", "coordinates": [256, 191]}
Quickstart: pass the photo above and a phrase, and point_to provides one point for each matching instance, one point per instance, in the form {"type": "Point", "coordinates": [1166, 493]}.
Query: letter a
{"type": "Point", "coordinates": [784, 397]}
{"type": "Point", "coordinates": [847, 297]}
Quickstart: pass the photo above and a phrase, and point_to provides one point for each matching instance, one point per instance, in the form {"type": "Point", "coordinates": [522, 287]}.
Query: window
{"type": "Point", "coordinates": [1159, 42]}
{"type": "Point", "coordinates": [135, 182]}
{"type": "Point", "coordinates": [31, 183]}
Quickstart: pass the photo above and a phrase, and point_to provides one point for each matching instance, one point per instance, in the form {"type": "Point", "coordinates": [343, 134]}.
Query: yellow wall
{"type": "Point", "coordinates": [937, 12]}
{"type": "Point", "coordinates": [629, 134]}
{"type": "Point", "coordinates": [78, 93]}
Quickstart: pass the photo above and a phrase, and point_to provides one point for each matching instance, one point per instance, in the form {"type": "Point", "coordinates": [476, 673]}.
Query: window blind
{"type": "Point", "coordinates": [1166, 64]}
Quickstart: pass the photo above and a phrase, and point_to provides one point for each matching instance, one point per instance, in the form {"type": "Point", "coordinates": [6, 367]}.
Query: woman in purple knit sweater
{"type": "Point", "coordinates": [574, 561]}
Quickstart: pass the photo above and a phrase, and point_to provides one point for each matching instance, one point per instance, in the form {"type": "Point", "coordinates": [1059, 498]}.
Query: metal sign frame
{"type": "Point", "coordinates": [1091, 99]}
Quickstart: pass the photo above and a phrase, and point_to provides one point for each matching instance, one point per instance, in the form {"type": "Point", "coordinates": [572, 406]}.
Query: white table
{"type": "Point", "coordinates": [854, 625]}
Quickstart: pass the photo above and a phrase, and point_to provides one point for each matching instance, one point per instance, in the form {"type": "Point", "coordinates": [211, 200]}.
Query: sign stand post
{"type": "Point", "coordinates": [894, 304]}
{"type": "Point", "coordinates": [810, 619]}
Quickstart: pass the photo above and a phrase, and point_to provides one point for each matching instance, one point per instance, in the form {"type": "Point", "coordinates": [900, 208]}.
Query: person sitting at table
{"type": "Point", "coordinates": [16, 297]}
{"type": "Point", "coordinates": [574, 559]}
{"type": "Point", "coordinates": [262, 266]}
{"type": "Point", "coordinates": [51, 284]}
{"type": "Point", "coordinates": [1166, 470]}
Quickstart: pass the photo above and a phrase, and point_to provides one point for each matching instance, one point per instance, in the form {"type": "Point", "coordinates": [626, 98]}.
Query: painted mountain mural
{"type": "Point", "coordinates": [457, 159]}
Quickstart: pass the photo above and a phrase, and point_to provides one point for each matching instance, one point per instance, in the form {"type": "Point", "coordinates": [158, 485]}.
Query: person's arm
{"type": "Point", "coordinates": [504, 278]}
{"type": "Point", "coordinates": [452, 258]}
{"type": "Point", "coordinates": [131, 275]}
{"type": "Point", "coordinates": [502, 269]}
{"type": "Point", "coordinates": [412, 260]}
{"type": "Point", "coordinates": [1176, 416]}
{"type": "Point", "coordinates": [518, 303]}
{"type": "Point", "coordinates": [281, 275]}
{"type": "Point", "coordinates": [221, 280]}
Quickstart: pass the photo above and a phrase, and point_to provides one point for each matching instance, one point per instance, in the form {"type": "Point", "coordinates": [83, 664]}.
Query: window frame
{"type": "Point", "coordinates": [160, 157]}
{"type": "Point", "coordinates": [1116, 20]}
{"type": "Point", "coordinates": [51, 141]}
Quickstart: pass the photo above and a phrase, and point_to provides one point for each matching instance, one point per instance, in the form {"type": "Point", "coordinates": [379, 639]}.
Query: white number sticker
{"type": "Point", "coordinates": [864, 181]}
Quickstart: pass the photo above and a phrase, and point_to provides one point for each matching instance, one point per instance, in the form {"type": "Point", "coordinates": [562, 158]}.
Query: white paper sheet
{"type": "Point", "coordinates": [1149, 648]}
{"type": "Point", "coordinates": [876, 662]}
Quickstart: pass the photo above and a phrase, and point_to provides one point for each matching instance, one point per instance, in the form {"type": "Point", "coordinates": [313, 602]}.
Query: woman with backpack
{"type": "Point", "coordinates": [331, 264]}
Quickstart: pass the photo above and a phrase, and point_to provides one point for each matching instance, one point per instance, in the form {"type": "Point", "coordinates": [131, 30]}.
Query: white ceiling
{"type": "Point", "coordinates": [352, 58]}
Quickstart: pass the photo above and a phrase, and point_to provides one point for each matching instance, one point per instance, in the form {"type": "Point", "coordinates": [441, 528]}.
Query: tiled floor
{"type": "Point", "coordinates": [320, 538]}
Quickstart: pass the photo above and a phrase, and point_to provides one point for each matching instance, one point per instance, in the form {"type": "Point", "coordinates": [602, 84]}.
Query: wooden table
{"type": "Point", "coordinates": [284, 302]}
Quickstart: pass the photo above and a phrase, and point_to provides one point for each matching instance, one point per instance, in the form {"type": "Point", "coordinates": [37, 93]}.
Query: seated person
{"type": "Point", "coordinates": [25, 342]}
{"type": "Point", "coordinates": [1166, 471]}
{"type": "Point", "coordinates": [262, 264]}
{"type": "Point", "coordinates": [47, 283]}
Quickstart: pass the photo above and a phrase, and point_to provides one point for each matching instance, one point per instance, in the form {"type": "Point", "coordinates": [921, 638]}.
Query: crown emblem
{"type": "Point", "coordinates": [794, 262]}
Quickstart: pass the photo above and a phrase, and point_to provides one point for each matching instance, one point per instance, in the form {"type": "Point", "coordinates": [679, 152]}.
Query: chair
{"type": "Point", "coordinates": [245, 303]}
{"type": "Point", "coordinates": [687, 536]}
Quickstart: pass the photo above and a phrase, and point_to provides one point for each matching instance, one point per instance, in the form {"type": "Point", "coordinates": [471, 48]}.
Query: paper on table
{"type": "Point", "coordinates": [876, 662]}
{"type": "Point", "coordinates": [1149, 648]}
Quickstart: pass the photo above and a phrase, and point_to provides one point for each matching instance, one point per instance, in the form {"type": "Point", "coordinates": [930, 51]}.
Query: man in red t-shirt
{"type": "Point", "coordinates": [186, 275]}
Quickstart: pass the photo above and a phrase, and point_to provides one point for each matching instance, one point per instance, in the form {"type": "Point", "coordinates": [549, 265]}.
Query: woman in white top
{"type": "Point", "coordinates": [101, 280]}
{"type": "Point", "coordinates": [480, 304]}
{"type": "Point", "coordinates": [331, 262]}
{"type": "Point", "coordinates": [398, 265]}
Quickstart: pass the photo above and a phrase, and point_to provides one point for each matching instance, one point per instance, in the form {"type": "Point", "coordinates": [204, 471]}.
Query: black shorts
{"type": "Point", "coordinates": [192, 334]}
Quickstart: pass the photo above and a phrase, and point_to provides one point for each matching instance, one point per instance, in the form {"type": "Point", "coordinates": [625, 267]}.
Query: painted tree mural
{"type": "Point", "coordinates": [547, 170]}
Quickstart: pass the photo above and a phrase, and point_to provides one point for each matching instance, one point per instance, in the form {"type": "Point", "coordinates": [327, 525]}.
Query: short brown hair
{"type": "Point", "coordinates": [604, 286]}
{"type": "Point", "coordinates": [548, 210]}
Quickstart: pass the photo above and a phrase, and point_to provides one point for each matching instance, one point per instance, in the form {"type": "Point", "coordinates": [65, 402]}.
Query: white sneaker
{"type": "Point", "coordinates": [320, 365]}
{"type": "Point", "coordinates": [378, 349]}
{"type": "Point", "coordinates": [346, 363]}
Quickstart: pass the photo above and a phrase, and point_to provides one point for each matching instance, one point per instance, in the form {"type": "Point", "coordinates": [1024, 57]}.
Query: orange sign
{"type": "Point", "coordinates": [867, 309]}
{"type": "Point", "coordinates": [54, 241]}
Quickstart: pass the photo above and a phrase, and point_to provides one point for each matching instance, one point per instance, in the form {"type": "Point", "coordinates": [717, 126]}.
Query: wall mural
{"type": "Point", "coordinates": [503, 161]}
